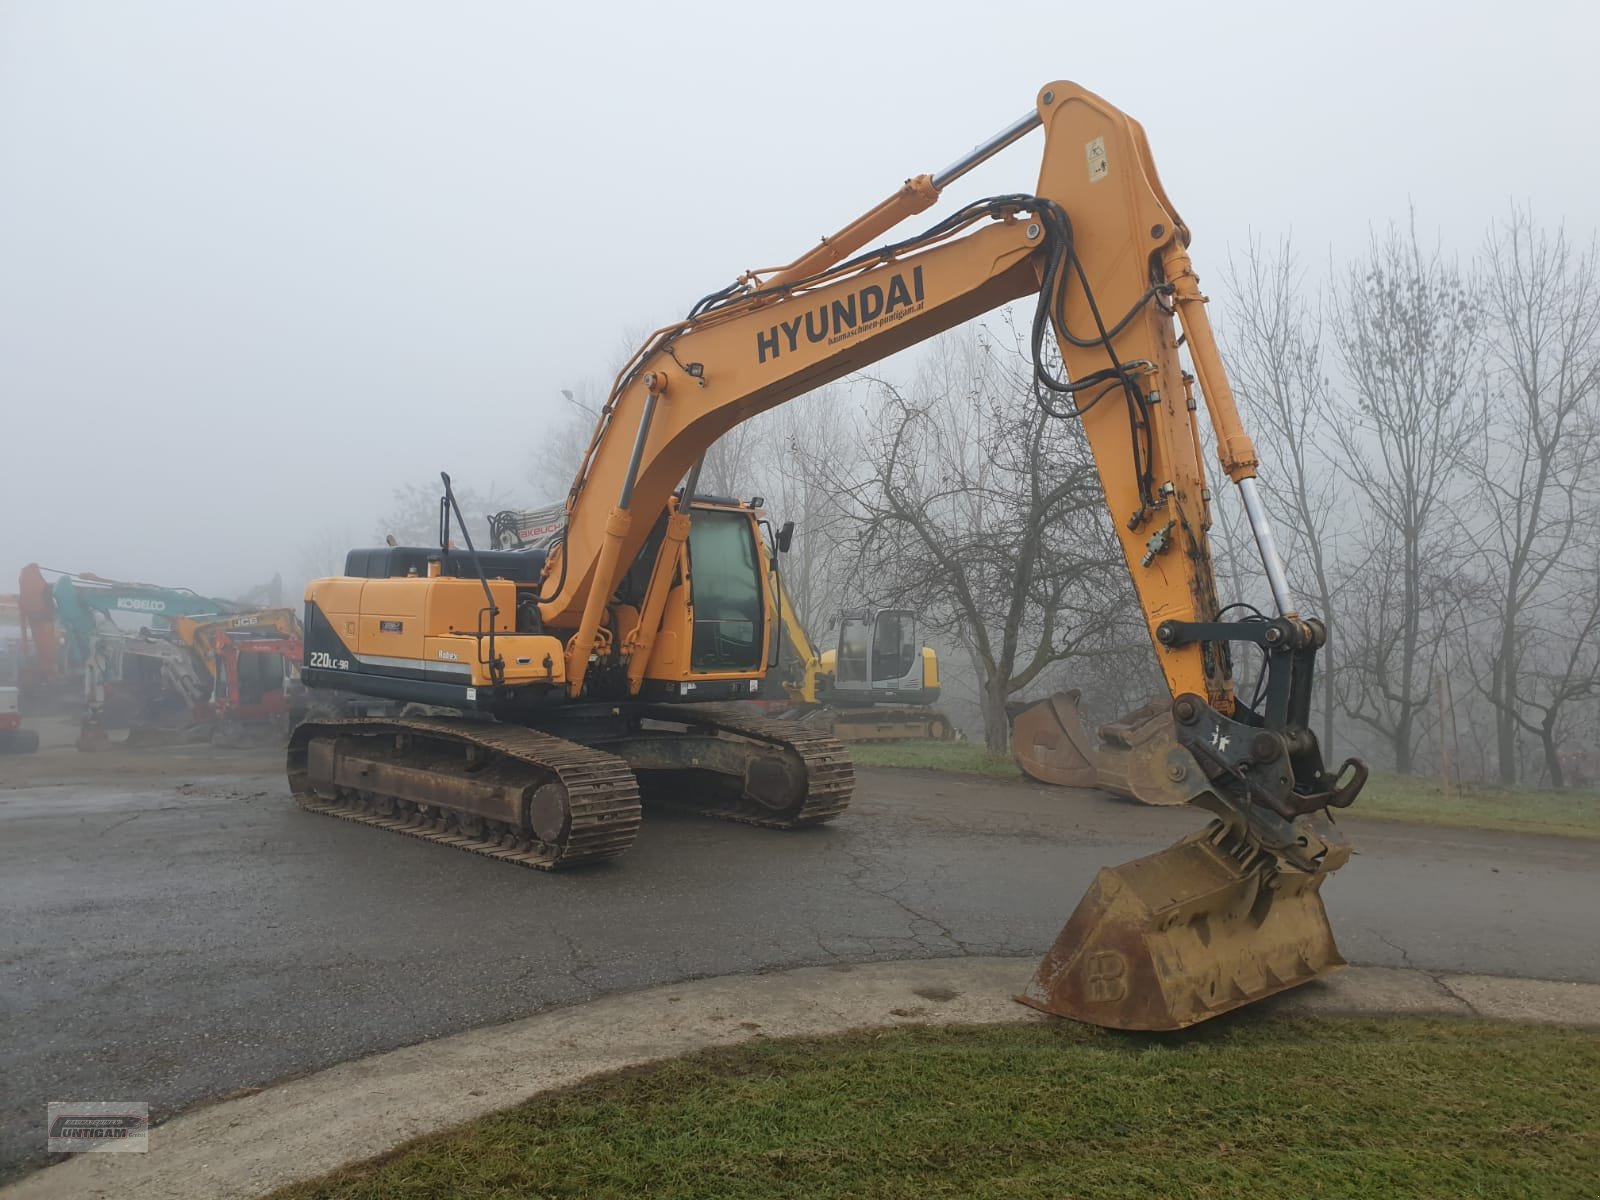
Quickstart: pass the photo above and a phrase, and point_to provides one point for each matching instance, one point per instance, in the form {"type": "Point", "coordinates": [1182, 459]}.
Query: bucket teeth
{"type": "Point", "coordinates": [1180, 936]}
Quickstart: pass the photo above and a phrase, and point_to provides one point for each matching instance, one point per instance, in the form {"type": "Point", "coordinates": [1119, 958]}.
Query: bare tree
{"type": "Point", "coordinates": [566, 432]}
{"type": "Point", "coordinates": [564, 436]}
{"type": "Point", "coordinates": [1559, 666]}
{"type": "Point", "coordinates": [1274, 350]}
{"type": "Point", "coordinates": [414, 518]}
{"type": "Point", "coordinates": [1407, 328]}
{"type": "Point", "coordinates": [986, 515]}
{"type": "Point", "coordinates": [1535, 461]}
{"type": "Point", "coordinates": [808, 444]}
{"type": "Point", "coordinates": [737, 461]}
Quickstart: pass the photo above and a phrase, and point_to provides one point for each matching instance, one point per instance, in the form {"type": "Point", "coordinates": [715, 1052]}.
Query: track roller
{"type": "Point", "coordinates": [731, 762]}
{"type": "Point", "coordinates": [507, 792]}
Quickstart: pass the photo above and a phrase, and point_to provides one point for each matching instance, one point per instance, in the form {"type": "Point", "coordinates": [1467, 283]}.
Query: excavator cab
{"type": "Point", "coordinates": [879, 657]}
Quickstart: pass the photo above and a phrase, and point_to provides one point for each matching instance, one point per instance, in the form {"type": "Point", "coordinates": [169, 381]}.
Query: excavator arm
{"type": "Point", "coordinates": [1105, 253]}
{"type": "Point", "coordinates": [1109, 278]}
{"type": "Point", "coordinates": [1103, 250]}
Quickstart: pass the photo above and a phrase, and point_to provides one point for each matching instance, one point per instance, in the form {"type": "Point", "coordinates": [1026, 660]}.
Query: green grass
{"type": "Point", "coordinates": [966, 758]}
{"type": "Point", "coordinates": [1385, 798]}
{"type": "Point", "coordinates": [1429, 802]}
{"type": "Point", "coordinates": [1331, 1109]}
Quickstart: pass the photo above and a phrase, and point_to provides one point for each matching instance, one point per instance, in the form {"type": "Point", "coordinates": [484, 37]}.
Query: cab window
{"type": "Point", "coordinates": [725, 576]}
{"type": "Point", "coordinates": [855, 649]}
{"type": "Point", "coordinates": [894, 646]}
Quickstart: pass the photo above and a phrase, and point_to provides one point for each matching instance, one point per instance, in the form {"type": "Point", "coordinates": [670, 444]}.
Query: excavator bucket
{"type": "Point", "coordinates": [1180, 936]}
{"type": "Point", "coordinates": [1136, 756]}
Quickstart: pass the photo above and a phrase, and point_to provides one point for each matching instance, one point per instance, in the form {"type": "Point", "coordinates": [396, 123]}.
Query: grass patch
{"type": "Point", "coordinates": [1429, 802]}
{"type": "Point", "coordinates": [1386, 797]}
{"type": "Point", "coordinates": [965, 758]}
{"type": "Point", "coordinates": [1332, 1109]}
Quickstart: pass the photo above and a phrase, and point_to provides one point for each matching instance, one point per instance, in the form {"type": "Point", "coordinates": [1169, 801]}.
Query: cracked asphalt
{"type": "Point", "coordinates": [176, 935]}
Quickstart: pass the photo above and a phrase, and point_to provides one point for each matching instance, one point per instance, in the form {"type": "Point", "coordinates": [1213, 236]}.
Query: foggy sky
{"type": "Point", "coordinates": [260, 264]}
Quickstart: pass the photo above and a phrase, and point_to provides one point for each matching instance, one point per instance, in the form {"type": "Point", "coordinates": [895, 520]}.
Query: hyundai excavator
{"type": "Point", "coordinates": [548, 692]}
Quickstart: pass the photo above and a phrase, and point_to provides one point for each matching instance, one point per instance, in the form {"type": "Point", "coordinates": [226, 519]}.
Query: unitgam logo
{"type": "Point", "coordinates": [97, 1125]}
{"type": "Point", "coordinates": [856, 313]}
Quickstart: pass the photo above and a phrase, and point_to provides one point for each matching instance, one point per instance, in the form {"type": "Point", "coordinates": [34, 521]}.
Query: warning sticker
{"type": "Point", "coordinates": [1096, 152]}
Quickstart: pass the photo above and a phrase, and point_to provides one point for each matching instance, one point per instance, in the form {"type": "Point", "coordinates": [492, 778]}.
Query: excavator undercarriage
{"type": "Point", "coordinates": [532, 797]}
{"type": "Point", "coordinates": [913, 723]}
{"type": "Point", "coordinates": [733, 763]}
{"type": "Point", "coordinates": [507, 792]}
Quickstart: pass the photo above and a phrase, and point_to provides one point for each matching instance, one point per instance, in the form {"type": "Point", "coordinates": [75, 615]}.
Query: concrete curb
{"type": "Point", "coordinates": [248, 1146]}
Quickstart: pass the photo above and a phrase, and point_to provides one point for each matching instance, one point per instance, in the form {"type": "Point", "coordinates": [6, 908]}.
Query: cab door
{"type": "Point", "coordinates": [896, 657]}
{"type": "Point", "coordinates": [852, 664]}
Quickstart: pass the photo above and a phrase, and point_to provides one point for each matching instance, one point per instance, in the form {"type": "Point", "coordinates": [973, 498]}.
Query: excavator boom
{"type": "Point", "coordinates": [1100, 244]}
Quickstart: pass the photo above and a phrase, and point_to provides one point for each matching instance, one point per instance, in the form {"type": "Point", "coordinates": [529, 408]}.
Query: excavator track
{"type": "Point", "coordinates": [820, 791]}
{"type": "Point", "coordinates": [884, 725]}
{"type": "Point", "coordinates": [503, 791]}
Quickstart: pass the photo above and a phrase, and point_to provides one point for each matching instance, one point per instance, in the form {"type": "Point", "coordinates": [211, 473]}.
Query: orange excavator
{"type": "Point", "coordinates": [539, 697]}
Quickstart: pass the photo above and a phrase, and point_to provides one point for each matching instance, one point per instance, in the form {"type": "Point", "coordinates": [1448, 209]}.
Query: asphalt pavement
{"type": "Point", "coordinates": [181, 937]}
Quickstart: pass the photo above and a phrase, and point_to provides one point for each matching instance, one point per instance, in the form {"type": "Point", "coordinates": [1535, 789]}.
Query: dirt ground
{"type": "Point", "coordinates": [59, 761]}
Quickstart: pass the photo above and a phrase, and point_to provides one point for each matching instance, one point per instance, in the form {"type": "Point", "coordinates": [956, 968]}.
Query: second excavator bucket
{"type": "Point", "coordinates": [1180, 936]}
{"type": "Point", "coordinates": [1137, 755]}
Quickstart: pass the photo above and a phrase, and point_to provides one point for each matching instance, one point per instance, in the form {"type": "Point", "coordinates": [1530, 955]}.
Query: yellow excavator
{"type": "Point", "coordinates": [879, 684]}
{"type": "Point", "coordinates": [551, 692]}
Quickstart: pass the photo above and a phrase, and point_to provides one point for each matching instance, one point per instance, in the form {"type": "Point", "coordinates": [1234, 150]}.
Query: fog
{"type": "Point", "coordinates": [262, 264]}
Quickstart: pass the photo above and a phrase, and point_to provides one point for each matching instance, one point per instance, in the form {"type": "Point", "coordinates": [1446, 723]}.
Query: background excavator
{"type": "Point", "coordinates": [552, 690]}
{"type": "Point", "coordinates": [62, 616]}
{"type": "Point", "coordinates": [14, 739]}
{"type": "Point", "coordinates": [877, 684]}
{"type": "Point", "coordinates": [232, 678]}
{"type": "Point", "coordinates": [527, 529]}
